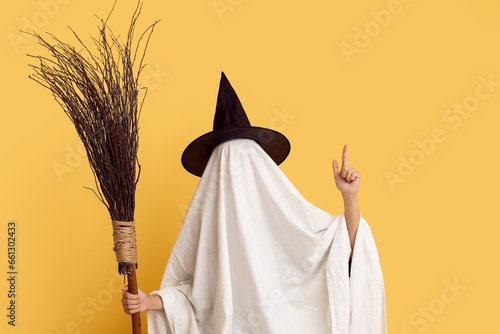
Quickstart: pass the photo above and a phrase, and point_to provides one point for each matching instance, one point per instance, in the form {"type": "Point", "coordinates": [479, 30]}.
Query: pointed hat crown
{"type": "Point", "coordinates": [229, 112]}
{"type": "Point", "coordinates": [230, 122]}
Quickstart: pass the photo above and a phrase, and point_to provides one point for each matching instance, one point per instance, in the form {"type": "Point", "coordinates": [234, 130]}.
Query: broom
{"type": "Point", "coordinates": [100, 95]}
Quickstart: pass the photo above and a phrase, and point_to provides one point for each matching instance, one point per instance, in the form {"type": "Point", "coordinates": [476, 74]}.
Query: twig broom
{"type": "Point", "coordinates": [100, 96]}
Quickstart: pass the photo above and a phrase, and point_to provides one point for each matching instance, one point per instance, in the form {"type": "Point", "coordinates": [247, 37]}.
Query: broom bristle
{"type": "Point", "coordinates": [99, 93]}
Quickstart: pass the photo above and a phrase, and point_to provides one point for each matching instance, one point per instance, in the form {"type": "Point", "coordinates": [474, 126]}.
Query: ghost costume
{"type": "Point", "coordinates": [253, 256]}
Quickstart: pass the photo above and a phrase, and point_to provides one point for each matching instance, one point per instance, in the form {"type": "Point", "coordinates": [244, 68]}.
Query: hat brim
{"type": "Point", "coordinates": [196, 155]}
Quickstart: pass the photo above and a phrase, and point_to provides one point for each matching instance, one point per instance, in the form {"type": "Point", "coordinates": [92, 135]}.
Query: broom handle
{"type": "Point", "coordinates": [132, 288]}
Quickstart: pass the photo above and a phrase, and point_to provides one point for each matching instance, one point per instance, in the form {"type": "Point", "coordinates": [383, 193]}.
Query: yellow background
{"type": "Point", "coordinates": [436, 226]}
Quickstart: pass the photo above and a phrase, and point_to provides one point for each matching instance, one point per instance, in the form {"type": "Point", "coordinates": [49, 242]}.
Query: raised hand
{"type": "Point", "coordinates": [347, 180]}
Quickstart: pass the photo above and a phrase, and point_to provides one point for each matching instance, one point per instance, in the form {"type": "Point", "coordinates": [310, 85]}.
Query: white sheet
{"type": "Point", "coordinates": [253, 256]}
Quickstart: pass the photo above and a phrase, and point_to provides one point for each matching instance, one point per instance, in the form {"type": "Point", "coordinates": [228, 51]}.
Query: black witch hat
{"type": "Point", "coordinates": [231, 122]}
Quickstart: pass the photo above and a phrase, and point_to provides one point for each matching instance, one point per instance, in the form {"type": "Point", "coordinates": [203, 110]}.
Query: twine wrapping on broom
{"type": "Point", "coordinates": [125, 245]}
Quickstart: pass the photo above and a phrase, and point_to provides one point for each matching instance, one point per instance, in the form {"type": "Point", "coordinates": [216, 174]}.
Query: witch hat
{"type": "Point", "coordinates": [231, 122]}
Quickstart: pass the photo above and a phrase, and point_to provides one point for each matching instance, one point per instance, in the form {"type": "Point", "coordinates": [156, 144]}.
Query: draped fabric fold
{"type": "Point", "coordinates": [253, 256]}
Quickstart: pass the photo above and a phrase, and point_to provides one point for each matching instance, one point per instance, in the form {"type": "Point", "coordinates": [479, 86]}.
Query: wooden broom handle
{"type": "Point", "coordinates": [132, 288]}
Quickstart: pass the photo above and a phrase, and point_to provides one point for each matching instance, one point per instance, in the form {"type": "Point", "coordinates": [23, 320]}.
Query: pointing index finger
{"type": "Point", "coordinates": [344, 156]}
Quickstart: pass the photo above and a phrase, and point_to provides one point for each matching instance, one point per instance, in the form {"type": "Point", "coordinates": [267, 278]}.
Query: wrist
{"type": "Point", "coordinates": [148, 303]}
{"type": "Point", "coordinates": [350, 197]}
{"type": "Point", "coordinates": [154, 303]}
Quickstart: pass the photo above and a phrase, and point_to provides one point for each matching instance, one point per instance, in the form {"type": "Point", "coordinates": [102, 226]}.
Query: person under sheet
{"type": "Point", "coordinates": [253, 256]}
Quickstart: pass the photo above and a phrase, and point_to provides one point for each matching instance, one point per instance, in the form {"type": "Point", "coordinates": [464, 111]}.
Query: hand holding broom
{"type": "Point", "coordinates": [141, 302]}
